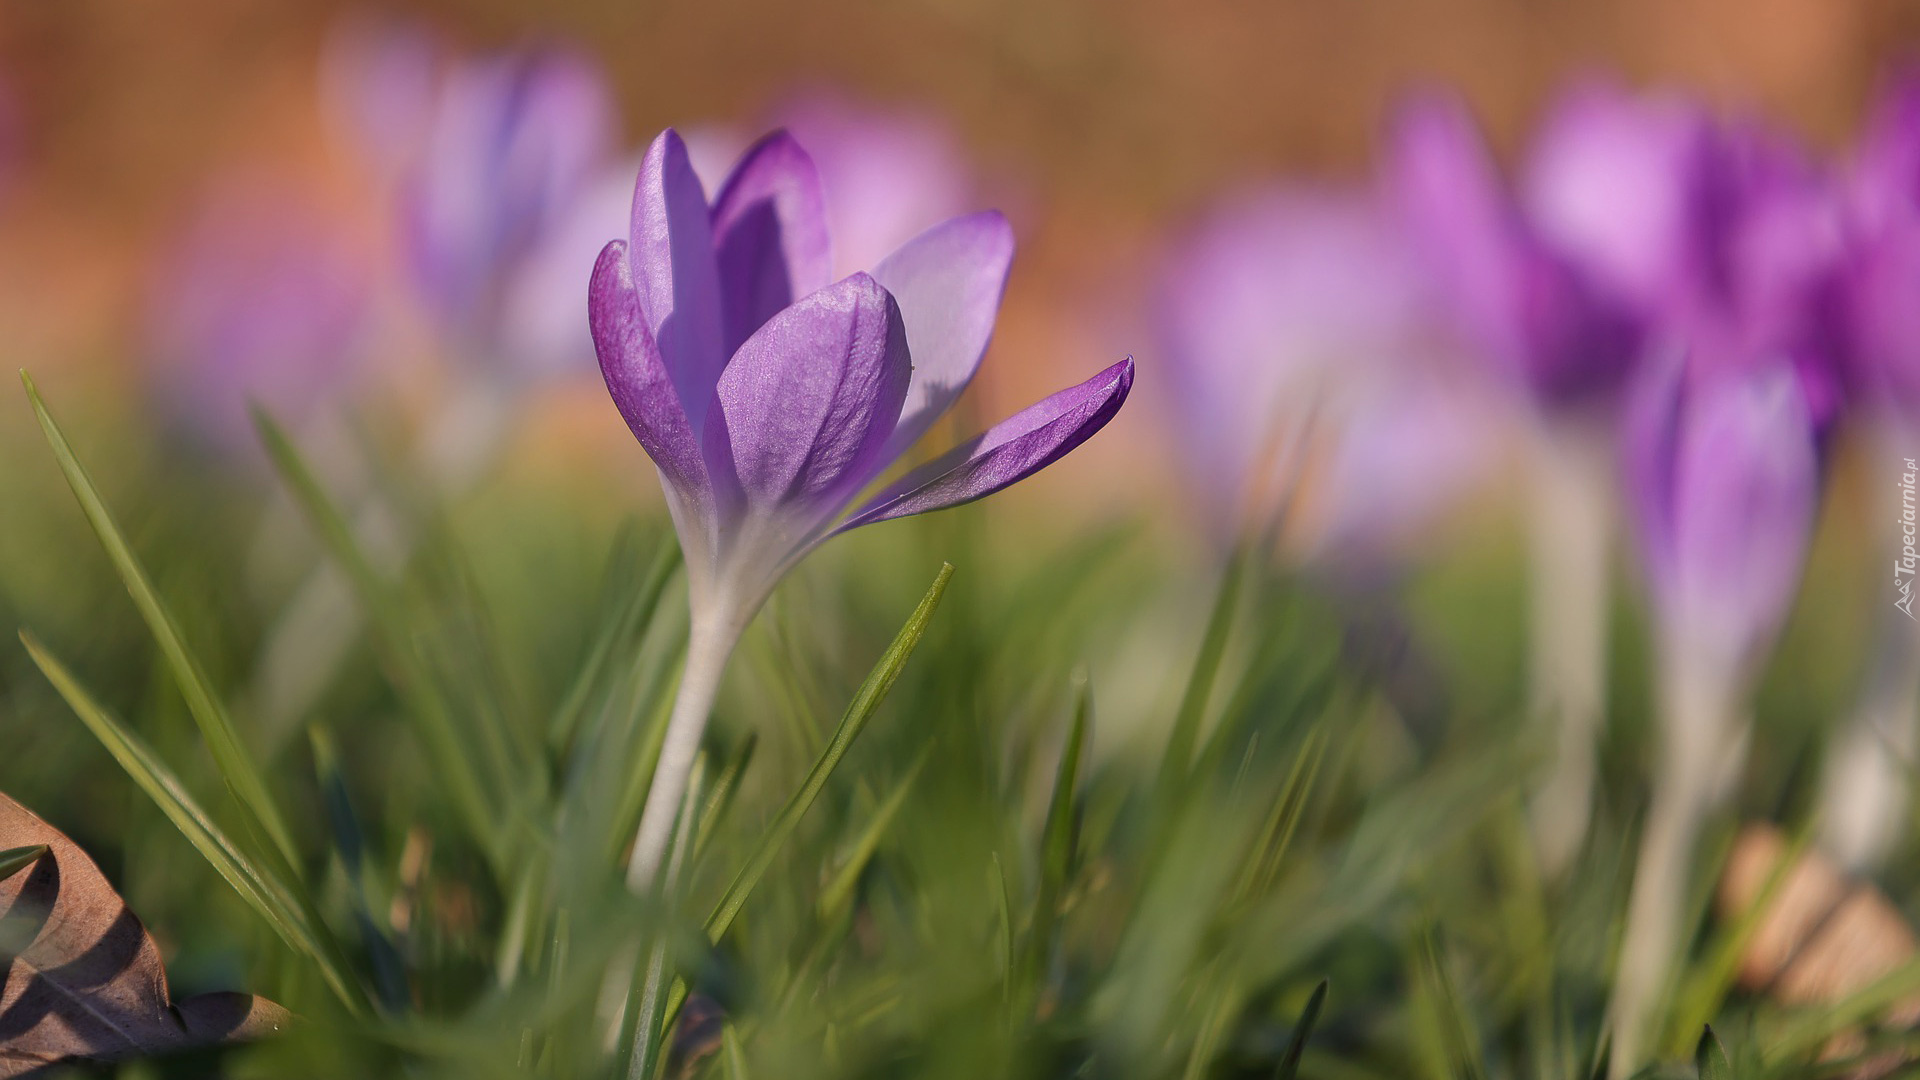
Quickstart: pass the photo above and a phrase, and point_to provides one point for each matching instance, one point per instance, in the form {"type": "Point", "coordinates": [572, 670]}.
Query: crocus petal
{"type": "Point", "coordinates": [1651, 427]}
{"type": "Point", "coordinates": [1007, 453]}
{"type": "Point", "coordinates": [1447, 185]}
{"type": "Point", "coordinates": [638, 378]}
{"type": "Point", "coordinates": [948, 281]}
{"type": "Point", "coordinates": [675, 274]}
{"type": "Point", "coordinates": [1745, 486]}
{"type": "Point", "coordinates": [804, 409]}
{"type": "Point", "coordinates": [1608, 185]}
{"type": "Point", "coordinates": [770, 236]}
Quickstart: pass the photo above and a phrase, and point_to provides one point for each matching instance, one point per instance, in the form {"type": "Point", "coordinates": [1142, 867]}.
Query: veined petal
{"type": "Point", "coordinates": [770, 236]}
{"type": "Point", "coordinates": [675, 276]}
{"type": "Point", "coordinates": [1007, 453]}
{"type": "Point", "coordinates": [804, 409]}
{"type": "Point", "coordinates": [637, 376]}
{"type": "Point", "coordinates": [948, 281]}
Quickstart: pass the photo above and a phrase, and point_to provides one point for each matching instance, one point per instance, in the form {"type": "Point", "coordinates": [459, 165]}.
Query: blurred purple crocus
{"type": "Point", "coordinates": [1864, 797]}
{"type": "Point", "coordinates": [263, 298]}
{"type": "Point", "coordinates": [1555, 279]}
{"type": "Point", "coordinates": [1725, 477]}
{"type": "Point", "coordinates": [1559, 279]}
{"type": "Point", "coordinates": [1299, 309]}
{"type": "Point", "coordinates": [1884, 279]}
{"type": "Point", "coordinates": [887, 174]}
{"type": "Point", "coordinates": [770, 396]}
{"type": "Point", "coordinates": [509, 155]}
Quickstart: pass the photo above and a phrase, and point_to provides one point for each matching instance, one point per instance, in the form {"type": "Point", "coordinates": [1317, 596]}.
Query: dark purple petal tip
{"type": "Point", "coordinates": [1007, 453]}
{"type": "Point", "coordinates": [636, 374]}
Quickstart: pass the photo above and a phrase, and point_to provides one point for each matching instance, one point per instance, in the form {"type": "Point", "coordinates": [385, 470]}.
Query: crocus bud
{"type": "Point", "coordinates": [1724, 480]}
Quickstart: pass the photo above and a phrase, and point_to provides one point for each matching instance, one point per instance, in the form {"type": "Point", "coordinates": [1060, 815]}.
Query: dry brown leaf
{"type": "Point", "coordinates": [83, 978]}
{"type": "Point", "coordinates": [1821, 938]}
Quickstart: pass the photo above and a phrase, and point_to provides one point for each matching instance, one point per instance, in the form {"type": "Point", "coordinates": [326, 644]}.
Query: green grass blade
{"type": "Point", "coordinates": [732, 1054]}
{"type": "Point", "coordinates": [1297, 1046]}
{"type": "Point", "coordinates": [1003, 911]}
{"type": "Point", "coordinates": [1703, 992]}
{"type": "Point", "coordinates": [1057, 840]}
{"type": "Point", "coordinates": [454, 765]}
{"type": "Point", "coordinates": [14, 860]}
{"type": "Point", "coordinates": [839, 892]}
{"type": "Point", "coordinates": [236, 766]}
{"type": "Point", "coordinates": [626, 618]}
{"type": "Point", "coordinates": [866, 701]}
{"type": "Point", "coordinates": [1711, 1058]}
{"type": "Point", "coordinates": [725, 787]}
{"type": "Point", "coordinates": [1185, 736]}
{"type": "Point", "coordinates": [258, 886]}
{"type": "Point", "coordinates": [1276, 832]}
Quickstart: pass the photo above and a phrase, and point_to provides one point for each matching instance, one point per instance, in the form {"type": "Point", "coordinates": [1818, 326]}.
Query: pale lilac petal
{"type": "Point", "coordinates": [263, 299]}
{"type": "Point", "coordinates": [1608, 185]}
{"type": "Point", "coordinates": [1403, 454]}
{"type": "Point", "coordinates": [948, 282]}
{"type": "Point", "coordinates": [1745, 487]}
{"type": "Point", "coordinates": [509, 143]}
{"type": "Point", "coordinates": [804, 409]}
{"type": "Point", "coordinates": [1270, 301]}
{"type": "Point", "coordinates": [539, 325]}
{"type": "Point", "coordinates": [1007, 453]}
{"type": "Point", "coordinates": [1457, 210]}
{"type": "Point", "coordinates": [889, 173]}
{"type": "Point", "coordinates": [769, 235]}
{"type": "Point", "coordinates": [1528, 304]}
{"type": "Point", "coordinates": [1651, 422]}
{"type": "Point", "coordinates": [638, 379]}
{"type": "Point", "coordinates": [1723, 471]}
{"type": "Point", "coordinates": [675, 274]}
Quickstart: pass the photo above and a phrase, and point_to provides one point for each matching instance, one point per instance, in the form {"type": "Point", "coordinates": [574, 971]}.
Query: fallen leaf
{"type": "Point", "coordinates": [83, 978]}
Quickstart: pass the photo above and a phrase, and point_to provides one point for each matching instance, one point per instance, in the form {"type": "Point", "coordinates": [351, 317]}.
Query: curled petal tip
{"type": "Point", "coordinates": [1007, 453]}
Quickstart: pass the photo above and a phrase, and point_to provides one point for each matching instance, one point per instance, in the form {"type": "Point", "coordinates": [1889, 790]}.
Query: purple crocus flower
{"type": "Point", "coordinates": [1864, 798]}
{"type": "Point", "coordinates": [770, 396]}
{"type": "Point", "coordinates": [1553, 281]}
{"type": "Point", "coordinates": [1298, 309]}
{"type": "Point", "coordinates": [1725, 477]}
{"type": "Point", "coordinates": [1884, 279]}
{"type": "Point", "coordinates": [1764, 266]}
{"type": "Point", "coordinates": [509, 157]}
{"type": "Point", "coordinates": [264, 298]}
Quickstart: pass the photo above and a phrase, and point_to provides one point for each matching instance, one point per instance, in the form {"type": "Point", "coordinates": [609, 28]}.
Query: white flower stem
{"type": "Point", "coordinates": [1702, 742]}
{"type": "Point", "coordinates": [710, 643]}
{"type": "Point", "coordinates": [1570, 529]}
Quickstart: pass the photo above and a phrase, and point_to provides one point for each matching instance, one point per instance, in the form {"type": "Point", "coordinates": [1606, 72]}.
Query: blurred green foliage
{"type": "Point", "coordinates": [1120, 812]}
